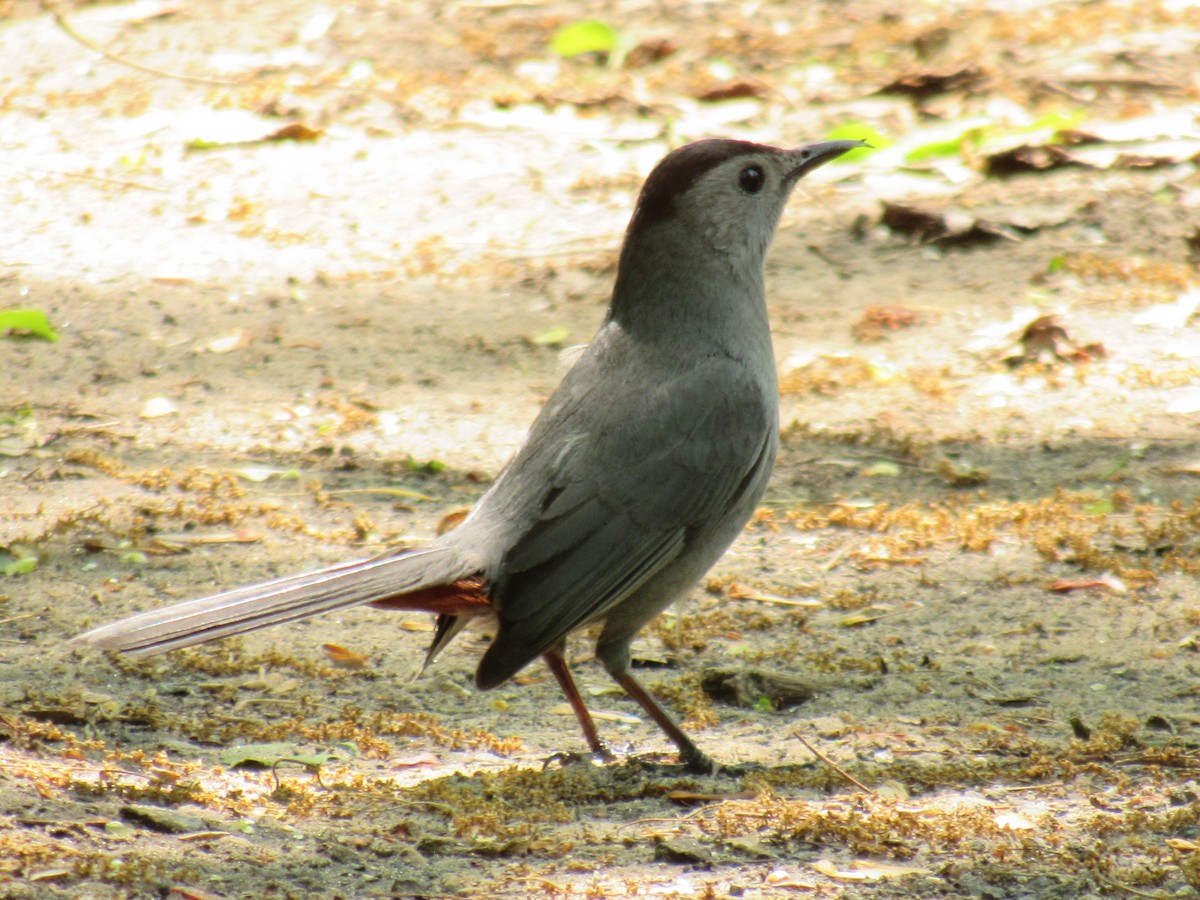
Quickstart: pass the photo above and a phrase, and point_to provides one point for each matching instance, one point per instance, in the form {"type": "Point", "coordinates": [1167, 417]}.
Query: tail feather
{"type": "Point", "coordinates": [282, 600]}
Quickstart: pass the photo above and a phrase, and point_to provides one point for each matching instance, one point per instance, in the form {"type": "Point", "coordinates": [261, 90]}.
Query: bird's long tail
{"type": "Point", "coordinates": [431, 580]}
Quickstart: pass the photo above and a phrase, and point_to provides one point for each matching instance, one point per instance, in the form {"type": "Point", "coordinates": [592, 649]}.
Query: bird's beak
{"type": "Point", "coordinates": [813, 156]}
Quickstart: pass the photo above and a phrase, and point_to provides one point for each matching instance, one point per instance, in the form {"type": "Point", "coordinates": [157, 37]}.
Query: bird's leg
{"type": "Point", "coordinates": [557, 664]}
{"type": "Point", "coordinates": [693, 758]}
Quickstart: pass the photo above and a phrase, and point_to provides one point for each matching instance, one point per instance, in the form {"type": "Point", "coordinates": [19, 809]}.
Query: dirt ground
{"type": "Point", "coordinates": [314, 268]}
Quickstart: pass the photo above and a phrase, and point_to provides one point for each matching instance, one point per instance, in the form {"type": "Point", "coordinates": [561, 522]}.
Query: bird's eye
{"type": "Point", "coordinates": [751, 179]}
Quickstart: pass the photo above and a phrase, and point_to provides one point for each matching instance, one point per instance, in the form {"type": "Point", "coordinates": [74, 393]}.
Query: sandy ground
{"type": "Point", "coordinates": [972, 586]}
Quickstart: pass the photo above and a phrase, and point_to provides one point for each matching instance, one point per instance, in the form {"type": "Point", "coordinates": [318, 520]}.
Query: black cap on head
{"type": "Point", "coordinates": [678, 171]}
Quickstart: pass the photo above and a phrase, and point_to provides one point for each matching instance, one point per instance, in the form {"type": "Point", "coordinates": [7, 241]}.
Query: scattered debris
{"type": "Point", "coordinates": [756, 688]}
{"type": "Point", "coordinates": [922, 86]}
{"type": "Point", "coordinates": [1046, 341]}
{"type": "Point", "coordinates": [1106, 582]}
{"type": "Point", "coordinates": [877, 321]}
{"type": "Point", "coordinates": [962, 230]}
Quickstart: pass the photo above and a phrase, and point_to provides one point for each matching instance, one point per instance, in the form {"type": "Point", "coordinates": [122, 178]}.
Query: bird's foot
{"type": "Point", "coordinates": [563, 758]}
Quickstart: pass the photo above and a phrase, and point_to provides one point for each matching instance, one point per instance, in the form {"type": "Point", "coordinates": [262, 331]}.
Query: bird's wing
{"type": "Point", "coordinates": [624, 501]}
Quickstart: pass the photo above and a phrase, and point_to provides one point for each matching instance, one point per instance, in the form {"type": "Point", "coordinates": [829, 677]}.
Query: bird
{"type": "Point", "coordinates": [643, 466]}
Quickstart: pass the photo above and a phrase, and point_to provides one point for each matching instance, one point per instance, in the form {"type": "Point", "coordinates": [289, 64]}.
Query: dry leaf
{"type": "Point", "coordinates": [343, 658]}
{"type": "Point", "coordinates": [273, 683]}
{"type": "Point", "coordinates": [49, 874]}
{"type": "Point", "coordinates": [295, 131]}
{"type": "Point", "coordinates": [1045, 340]}
{"type": "Point", "coordinates": [920, 86]}
{"type": "Point", "coordinates": [864, 870]}
{"type": "Point", "coordinates": [452, 520]}
{"type": "Point", "coordinates": [237, 536]}
{"type": "Point", "coordinates": [876, 320]}
{"type": "Point", "coordinates": [737, 592]}
{"type": "Point", "coordinates": [187, 892]}
{"type": "Point", "coordinates": [1108, 582]}
{"type": "Point", "coordinates": [782, 878]}
{"type": "Point", "coordinates": [564, 709]}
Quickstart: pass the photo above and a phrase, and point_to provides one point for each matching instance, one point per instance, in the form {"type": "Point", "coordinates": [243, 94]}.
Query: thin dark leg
{"type": "Point", "coordinates": [557, 664]}
{"type": "Point", "coordinates": [695, 759]}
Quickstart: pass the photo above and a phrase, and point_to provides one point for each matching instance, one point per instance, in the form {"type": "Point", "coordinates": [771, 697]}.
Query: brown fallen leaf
{"type": "Point", "coordinates": [415, 759]}
{"type": "Point", "coordinates": [961, 229]}
{"type": "Point", "coordinates": [1107, 582]}
{"type": "Point", "coordinates": [920, 86]}
{"type": "Point", "coordinates": [648, 52]}
{"type": "Point", "coordinates": [782, 878]}
{"type": "Point", "coordinates": [878, 320]}
{"type": "Point", "coordinates": [452, 519]}
{"type": "Point", "coordinates": [49, 874]}
{"type": "Point", "coordinates": [1045, 340]}
{"type": "Point", "coordinates": [918, 224]}
{"type": "Point", "coordinates": [345, 659]}
{"type": "Point", "coordinates": [734, 91]}
{"type": "Point", "coordinates": [295, 131]}
{"type": "Point", "coordinates": [1028, 158]}
{"type": "Point", "coordinates": [420, 626]}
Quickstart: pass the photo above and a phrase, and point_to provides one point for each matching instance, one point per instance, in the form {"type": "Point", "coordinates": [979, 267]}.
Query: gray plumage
{"type": "Point", "coordinates": [643, 466]}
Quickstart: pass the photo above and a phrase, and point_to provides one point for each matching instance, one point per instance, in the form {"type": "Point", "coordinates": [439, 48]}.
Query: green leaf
{"type": "Point", "coordinates": [935, 150]}
{"type": "Point", "coordinates": [584, 37]}
{"type": "Point", "coordinates": [551, 337]}
{"type": "Point", "coordinates": [22, 566]}
{"type": "Point", "coordinates": [858, 131]}
{"type": "Point", "coordinates": [27, 321]}
{"type": "Point", "coordinates": [1056, 122]}
{"type": "Point", "coordinates": [428, 467]}
{"type": "Point", "coordinates": [948, 139]}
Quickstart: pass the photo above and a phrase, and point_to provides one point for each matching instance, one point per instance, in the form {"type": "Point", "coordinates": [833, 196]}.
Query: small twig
{"type": "Point", "coordinates": [11, 619]}
{"type": "Point", "coordinates": [87, 176]}
{"type": "Point", "coordinates": [838, 555]}
{"type": "Point", "coordinates": [62, 22]}
{"type": "Point", "coordinates": [829, 762]}
{"type": "Point", "coordinates": [1156, 895]}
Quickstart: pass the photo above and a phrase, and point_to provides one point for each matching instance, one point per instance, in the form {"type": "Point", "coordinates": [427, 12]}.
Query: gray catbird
{"type": "Point", "coordinates": [641, 469]}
